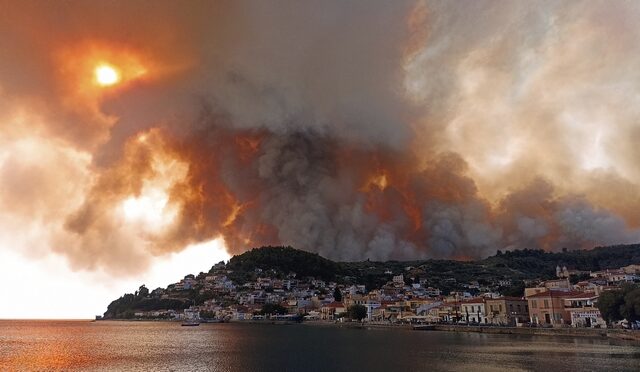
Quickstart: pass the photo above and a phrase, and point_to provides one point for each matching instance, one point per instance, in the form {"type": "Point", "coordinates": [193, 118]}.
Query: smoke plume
{"type": "Point", "coordinates": [379, 130]}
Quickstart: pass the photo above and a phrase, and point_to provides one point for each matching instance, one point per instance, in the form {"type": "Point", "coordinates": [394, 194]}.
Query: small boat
{"type": "Point", "coordinates": [190, 323]}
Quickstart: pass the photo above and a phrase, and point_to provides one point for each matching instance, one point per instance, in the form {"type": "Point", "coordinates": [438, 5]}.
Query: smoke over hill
{"type": "Point", "coordinates": [381, 130]}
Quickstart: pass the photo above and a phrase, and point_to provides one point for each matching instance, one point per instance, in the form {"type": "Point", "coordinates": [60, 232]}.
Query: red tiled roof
{"type": "Point", "coordinates": [474, 301]}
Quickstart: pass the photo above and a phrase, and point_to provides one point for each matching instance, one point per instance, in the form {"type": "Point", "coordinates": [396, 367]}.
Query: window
{"type": "Point", "coordinates": [534, 304]}
{"type": "Point", "coordinates": [546, 304]}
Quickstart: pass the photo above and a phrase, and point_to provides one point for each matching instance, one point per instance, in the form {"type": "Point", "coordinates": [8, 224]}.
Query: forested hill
{"type": "Point", "coordinates": [515, 265]}
{"type": "Point", "coordinates": [447, 275]}
{"type": "Point", "coordinates": [537, 262]}
{"type": "Point", "coordinates": [284, 260]}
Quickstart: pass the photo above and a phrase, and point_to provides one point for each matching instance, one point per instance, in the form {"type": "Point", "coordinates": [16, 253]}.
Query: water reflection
{"type": "Point", "coordinates": [80, 345]}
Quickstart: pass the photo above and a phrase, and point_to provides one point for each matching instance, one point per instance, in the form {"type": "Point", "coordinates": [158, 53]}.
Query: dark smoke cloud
{"type": "Point", "coordinates": [381, 130]}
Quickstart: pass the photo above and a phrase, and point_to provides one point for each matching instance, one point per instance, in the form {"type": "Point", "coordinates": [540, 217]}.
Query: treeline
{"type": "Point", "coordinates": [126, 306]}
{"type": "Point", "coordinates": [532, 261]}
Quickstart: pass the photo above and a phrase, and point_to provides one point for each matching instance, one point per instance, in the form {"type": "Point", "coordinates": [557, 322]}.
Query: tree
{"type": "Point", "coordinates": [575, 278]}
{"type": "Point", "coordinates": [143, 291]}
{"type": "Point", "coordinates": [609, 304]}
{"type": "Point", "coordinates": [273, 309]}
{"type": "Point", "coordinates": [630, 310]}
{"type": "Point", "coordinates": [515, 290]}
{"type": "Point", "coordinates": [337, 295]}
{"type": "Point", "coordinates": [623, 303]}
{"type": "Point", "coordinates": [357, 312]}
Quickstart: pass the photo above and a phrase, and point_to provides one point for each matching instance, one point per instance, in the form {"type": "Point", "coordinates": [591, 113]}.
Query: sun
{"type": "Point", "coordinates": [106, 75]}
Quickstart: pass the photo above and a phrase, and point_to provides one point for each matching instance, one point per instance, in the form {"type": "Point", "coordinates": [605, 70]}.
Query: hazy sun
{"type": "Point", "coordinates": [106, 75]}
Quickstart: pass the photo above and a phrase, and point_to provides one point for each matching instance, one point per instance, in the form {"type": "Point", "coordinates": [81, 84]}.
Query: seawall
{"type": "Point", "coordinates": [573, 332]}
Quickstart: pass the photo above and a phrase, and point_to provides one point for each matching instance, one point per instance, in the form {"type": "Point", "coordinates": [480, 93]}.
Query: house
{"type": "Point", "coordinates": [557, 284]}
{"type": "Point", "coordinates": [329, 311]}
{"type": "Point", "coordinates": [616, 276]}
{"type": "Point", "coordinates": [398, 279]}
{"type": "Point", "coordinates": [507, 310]}
{"type": "Point", "coordinates": [584, 312]}
{"type": "Point", "coordinates": [587, 286]}
{"type": "Point", "coordinates": [389, 310]}
{"type": "Point", "coordinates": [548, 307]}
{"type": "Point", "coordinates": [426, 307]}
{"type": "Point", "coordinates": [474, 311]}
{"type": "Point", "coordinates": [619, 276]}
{"type": "Point", "coordinates": [371, 306]}
{"type": "Point", "coordinates": [354, 299]}
{"type": "Point", "coordinates": [632, 269]}
{"type": "Point", "coordinates": [446, 312]}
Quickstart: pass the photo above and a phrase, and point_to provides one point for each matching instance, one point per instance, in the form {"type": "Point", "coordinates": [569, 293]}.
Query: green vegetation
{"type": "Point", "coordinates": [273, 309]}
{"type": "Point", "coordinates": [280, 261]}
{"type": "Point", "coordinates": [620, 304]}
{"type": "Point", "coordinates": [127, 305]}
{"type": "Point", "coordinates": [337, 295]}
{"type": "Point", "coordinates": [515, 290]}
{"type": "Point", "coordinates": [357, 312]}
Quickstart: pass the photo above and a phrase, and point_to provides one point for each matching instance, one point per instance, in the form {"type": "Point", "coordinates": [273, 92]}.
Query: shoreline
{"type": "Point", "coordinates": [618, 334]}
{"type": "Point", "coordinates": [615, 334]}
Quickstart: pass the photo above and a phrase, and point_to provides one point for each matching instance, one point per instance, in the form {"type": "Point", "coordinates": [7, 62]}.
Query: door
{"type": "Point", "coordinates": [547, 318]}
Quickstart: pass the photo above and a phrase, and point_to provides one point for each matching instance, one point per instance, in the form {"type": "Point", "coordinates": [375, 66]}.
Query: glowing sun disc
{"type": "Point", "coordinates": [106, 75]}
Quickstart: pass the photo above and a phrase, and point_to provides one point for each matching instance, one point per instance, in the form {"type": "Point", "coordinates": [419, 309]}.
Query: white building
{"type": "Point", "coordinates": [584, 312]}
{"type": "Point", "coordinates": [398, 279]}
{"type": "Point", "coordinates": [474, 311]}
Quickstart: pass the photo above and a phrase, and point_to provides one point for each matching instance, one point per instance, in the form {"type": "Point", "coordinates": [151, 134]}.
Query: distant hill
{"type": "Point", "coordinates": [447, 275]}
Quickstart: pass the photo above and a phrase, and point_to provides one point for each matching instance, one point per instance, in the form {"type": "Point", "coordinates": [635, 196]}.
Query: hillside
{"type": "Point", "coordinates": [447, 275]}
{"type": "Point", "coordinates": [281, 261]}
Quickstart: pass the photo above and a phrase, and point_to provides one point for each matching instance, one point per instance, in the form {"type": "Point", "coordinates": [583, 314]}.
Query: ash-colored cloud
{"type": "Point", "coordinates": [381, 130]}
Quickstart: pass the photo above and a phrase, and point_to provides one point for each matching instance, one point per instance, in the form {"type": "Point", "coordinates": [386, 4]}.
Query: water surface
{"type": "Point", "coordinates": [162, 346]}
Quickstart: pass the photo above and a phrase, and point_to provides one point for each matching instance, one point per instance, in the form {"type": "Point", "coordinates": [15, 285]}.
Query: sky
{"type": "Point", "coordinates": [143, 141]}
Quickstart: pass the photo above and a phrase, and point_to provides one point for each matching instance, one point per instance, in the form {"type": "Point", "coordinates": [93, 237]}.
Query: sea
{"type": "Point", "coordinates": [52, 345]}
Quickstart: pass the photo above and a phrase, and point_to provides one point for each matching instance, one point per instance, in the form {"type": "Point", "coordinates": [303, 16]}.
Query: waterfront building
{"type": "Point", "coordinates": [507, 310]}
{"type": "Point", "coordinates": [583, 311]}
{"type": "Point", "coordinates": [547, 308]}
{"type": "Point", "coordinates": [329, 311]}
{"type": "Point", "coordinates": [474, 311]}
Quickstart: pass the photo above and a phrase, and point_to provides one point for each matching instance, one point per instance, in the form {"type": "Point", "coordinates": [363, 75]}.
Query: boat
{"type": "Point", "coordinates": [190, 323]}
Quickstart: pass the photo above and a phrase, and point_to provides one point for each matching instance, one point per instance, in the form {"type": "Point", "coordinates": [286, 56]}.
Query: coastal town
{"type": "Point", "coordinates": [568, 300]}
